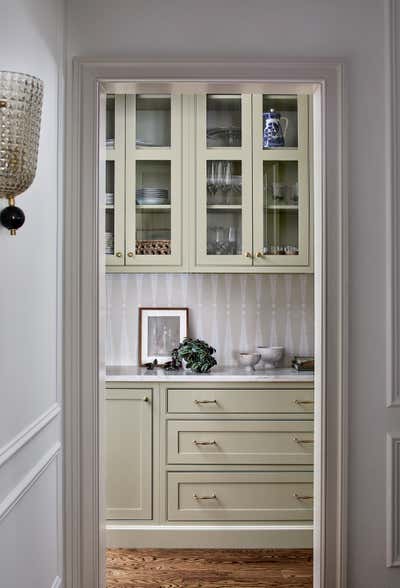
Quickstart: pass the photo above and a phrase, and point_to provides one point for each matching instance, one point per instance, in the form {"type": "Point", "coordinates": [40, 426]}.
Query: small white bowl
{"type": "Point", "coordinates": [271, 356]}
{"type": "Point", "coordinates": [249, 360]}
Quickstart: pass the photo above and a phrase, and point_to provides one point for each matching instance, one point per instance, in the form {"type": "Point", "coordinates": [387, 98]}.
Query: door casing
{"type": "Point", "coordinates": [84, 293]}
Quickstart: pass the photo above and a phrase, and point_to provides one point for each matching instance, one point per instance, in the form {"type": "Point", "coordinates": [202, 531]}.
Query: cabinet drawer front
{"type": "Point", "coordinates": [240, 496]}
{"type": "Point", "coordinates": [211, 400]}
{"type": "Point", "coordinates": [240, 442]}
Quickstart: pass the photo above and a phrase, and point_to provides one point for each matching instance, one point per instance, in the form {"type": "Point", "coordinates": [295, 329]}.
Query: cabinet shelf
{"type": "Point", "coordinates": [224, 206]}
{"type": "Point", "coordinates": [157, 207]}
{"type": "Point", "coordinates": [283, 207]}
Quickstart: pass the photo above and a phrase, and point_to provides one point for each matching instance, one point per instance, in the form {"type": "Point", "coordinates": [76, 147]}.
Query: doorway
{"type": "Point", "coordinates": [319, 96]}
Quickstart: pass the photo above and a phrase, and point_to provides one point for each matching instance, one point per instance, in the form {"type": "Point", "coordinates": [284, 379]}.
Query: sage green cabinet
{"type": "Point", "coordinates": [240, 496]}
{"type": "Point", "coordinates": [240, 442]}
{"type": "Point", "coordinates": [128, 453]}
{"type": "Point", "coordinates": [191, 187]}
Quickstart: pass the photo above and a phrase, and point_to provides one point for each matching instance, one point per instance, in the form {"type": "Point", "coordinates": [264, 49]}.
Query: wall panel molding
{"type": "Point", "coordinates": [28, 481]}
{"type": "Point", "coordinates": [393, 211]}
{"type": "Point", "coordinates": [393, 500]}
{"type": "Point", "coordinates": [57, 582]}
{"type": "Point", "coordinates": [27, 434]}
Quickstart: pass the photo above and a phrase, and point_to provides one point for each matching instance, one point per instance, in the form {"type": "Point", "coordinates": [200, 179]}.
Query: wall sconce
{"type": "Point", "coordinates": [21, 99]}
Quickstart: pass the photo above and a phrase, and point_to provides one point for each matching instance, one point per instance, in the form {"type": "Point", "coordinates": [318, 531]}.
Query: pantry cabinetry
{"type": "Point", "coordinates": [208, 183]}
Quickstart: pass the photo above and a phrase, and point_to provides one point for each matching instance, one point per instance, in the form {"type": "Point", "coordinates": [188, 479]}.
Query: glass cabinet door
{"type": "Point", "coordinates": [223, 182]}
{"type": "Point", "coordinates": [153, 180]}
{"type": "Point", "coordinates": [114, 180]}
{"type": "Point", "coordinates": [280, 180]}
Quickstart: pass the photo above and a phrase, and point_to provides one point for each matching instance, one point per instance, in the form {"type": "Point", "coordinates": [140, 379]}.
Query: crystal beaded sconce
{"type": "Point", "coordinates": [21, 98]}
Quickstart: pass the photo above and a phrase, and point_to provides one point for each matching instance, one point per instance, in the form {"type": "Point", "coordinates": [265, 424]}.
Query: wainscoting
{"type": "Point", "coordinates": [209, 568]}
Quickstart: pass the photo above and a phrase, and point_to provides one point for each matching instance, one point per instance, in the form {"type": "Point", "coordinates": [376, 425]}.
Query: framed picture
{"type": "Point", "coordinates": [160, 331]}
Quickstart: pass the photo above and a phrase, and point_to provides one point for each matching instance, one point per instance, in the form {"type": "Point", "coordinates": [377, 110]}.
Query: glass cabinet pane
{"type": "Point", "coordinates": [109, 203]}
{"type": "Point", "coordinates": [153, 208]}
{"type": "Point", "coordinates": [224, 120]}
{"type": "Point", "coordinates": [110, 120]}
{"type": "Point", "coordinates": [280, 121]}
{"type": "Point", "coordinates": [224, 210]}
{"type": "Point", "coordinates": [281, 208]}
{"type": "Point", "coordinates": [153, 120]}
{"type": "Point", "coordinates": [224, 182]}
{"type": "Point", "coordinates": [224, 232]}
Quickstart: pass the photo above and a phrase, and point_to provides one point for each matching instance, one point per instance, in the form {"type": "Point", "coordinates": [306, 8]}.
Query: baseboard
{"type": "Point", "coordinates": [210, 536]}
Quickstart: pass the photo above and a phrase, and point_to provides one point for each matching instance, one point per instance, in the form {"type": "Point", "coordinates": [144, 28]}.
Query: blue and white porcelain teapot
{"type": "Point", "coordinates": [274, 135]}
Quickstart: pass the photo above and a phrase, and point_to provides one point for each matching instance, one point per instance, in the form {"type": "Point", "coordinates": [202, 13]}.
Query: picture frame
{"type": "Point", "coordinates": [160, 331]}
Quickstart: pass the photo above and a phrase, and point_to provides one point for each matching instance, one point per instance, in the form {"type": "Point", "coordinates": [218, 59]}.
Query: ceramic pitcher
{"type": "Point", "coordinates": [274, 135]}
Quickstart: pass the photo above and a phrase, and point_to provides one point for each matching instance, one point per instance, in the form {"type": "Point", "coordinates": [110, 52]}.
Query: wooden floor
{"type": "Point", "coordinates": [209, 568]}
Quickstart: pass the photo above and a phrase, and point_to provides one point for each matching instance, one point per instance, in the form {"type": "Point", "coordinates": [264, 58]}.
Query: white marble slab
{"type": "Point", "coordinates": [218, 374]}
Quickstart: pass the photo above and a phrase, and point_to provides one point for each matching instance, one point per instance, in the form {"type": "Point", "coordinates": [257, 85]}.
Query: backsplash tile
{"type": "Point", "coordinates": [233, 312]}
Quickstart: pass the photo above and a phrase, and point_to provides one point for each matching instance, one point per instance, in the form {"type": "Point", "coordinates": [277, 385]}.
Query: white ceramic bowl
{"type": "Point", "coordinates": [271, 356]}
{"type": "Point", "coordinates": [249, 360]}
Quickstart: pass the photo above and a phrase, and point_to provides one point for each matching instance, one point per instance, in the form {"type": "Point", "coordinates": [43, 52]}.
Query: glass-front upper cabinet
{"type": "Point", "coordinates": [153, 180]}
{"type": "Point", "coordinates": [281, 201]}
{"type": "Point", "coordinates": [223, 180]}
{"type": "Point", "coordinates": [114, 193]}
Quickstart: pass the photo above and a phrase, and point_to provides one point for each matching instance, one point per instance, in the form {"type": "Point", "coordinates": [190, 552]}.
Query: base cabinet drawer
{"type": "Point", "coordinates": [240, 496]}
{"type": "Point", "coordinates": [240, 442]}
{"type": "Point", "coordinates": [239, 400]}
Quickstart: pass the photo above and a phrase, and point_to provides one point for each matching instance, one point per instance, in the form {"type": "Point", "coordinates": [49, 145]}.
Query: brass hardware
{"type": "Point", "coordinates": [301, 497]}
{"type": "Point", "coordinates": [205, 401]}
{"type": "Point", "coordinates": [130, 254]}
{"type": "Point", "coordinates": [11, 201]}
{"type": "Point", "coordinates": [248, 254]}
{"type": "Point", "coordinates": [3, 104]}
{"type": "Point", "coordinates": [119, 254]}
{"type": "Point", "coordinates": [204, 442]}
{"type": "Point", "coordinates": [212, 497]}
{"type": "Point", "coordinates": [304, 401]}
{"type": "Point", "coordinates": [146, 399]}
{"type": "Point", "coordinates": [259, 254]}
{"type": "Point", "coordinates": [301, 441]}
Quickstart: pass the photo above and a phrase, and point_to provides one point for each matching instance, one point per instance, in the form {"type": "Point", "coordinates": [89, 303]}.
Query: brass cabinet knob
{"type": "Point", "coordinates": [119, 254]}
{"type": "Point", "coordinates": [259, 254]}
{"type": "Point", "coordinates": [130, 254]}
{"type": "Point", "coordinates": [248, 254]}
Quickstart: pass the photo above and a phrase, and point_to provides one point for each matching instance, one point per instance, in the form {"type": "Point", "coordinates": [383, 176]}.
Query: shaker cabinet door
{"type": "Point", "coordinates": [281, 193]}
{"type": "Point", "coordinates": [128, 452]}
{"type": "Point", "coordinates": [153, 196]}
{"type": "Point", "coordinates": [223, 188]}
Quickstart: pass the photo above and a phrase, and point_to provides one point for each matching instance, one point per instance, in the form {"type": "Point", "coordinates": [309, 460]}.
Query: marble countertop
{"type": "Point", "coordinates": [217, 374]}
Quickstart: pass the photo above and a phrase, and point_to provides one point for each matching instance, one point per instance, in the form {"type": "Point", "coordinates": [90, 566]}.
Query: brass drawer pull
{"type": "Point", "coordinates": [204, 442]}
{"type": "Point", "coordinates": [300, 402]}
{"type": "Point", "coordinates": [212, 497]}
{"type": "Point", "coordinates": [146, 399]}
{"type": "Point", "coordinates": [301, 441]}
{"type": "Point", "coordinates": [301, 497]}
{"type": "Point", "coordinates": [205, 401]}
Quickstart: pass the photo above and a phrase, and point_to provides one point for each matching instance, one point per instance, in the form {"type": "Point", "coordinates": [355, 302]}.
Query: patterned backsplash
{"type": "Point", "coordinates": [232, 312]}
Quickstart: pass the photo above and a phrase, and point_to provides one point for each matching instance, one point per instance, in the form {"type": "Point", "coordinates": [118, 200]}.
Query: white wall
{"type": "Point", "coordinates": [31, 41]}
{"type": "Point", "coordinates": [353, 30]}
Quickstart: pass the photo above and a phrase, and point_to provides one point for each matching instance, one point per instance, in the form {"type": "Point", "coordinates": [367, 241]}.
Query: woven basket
{"type": "Point", "coordinates": [153, 247]}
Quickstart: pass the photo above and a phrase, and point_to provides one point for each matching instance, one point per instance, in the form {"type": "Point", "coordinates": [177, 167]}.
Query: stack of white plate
{"type": "Point", "coordinates": [109, 198]}
{"type": "Point", "coordinates": [109, 243]}
{"type": "Point", "coordinates": [152, 196]}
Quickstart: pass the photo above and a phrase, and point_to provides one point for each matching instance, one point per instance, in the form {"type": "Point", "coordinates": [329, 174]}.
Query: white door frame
{"type": "Point", "coordinates": [84, 272]}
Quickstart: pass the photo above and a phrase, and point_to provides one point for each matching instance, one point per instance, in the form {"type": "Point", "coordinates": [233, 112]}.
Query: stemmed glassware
{"type": "Point", "coordinates": [220, 179]}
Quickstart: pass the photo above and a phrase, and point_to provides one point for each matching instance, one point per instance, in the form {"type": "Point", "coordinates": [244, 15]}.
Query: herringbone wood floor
{"type": "Point", "coordinates": [209, 568]}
